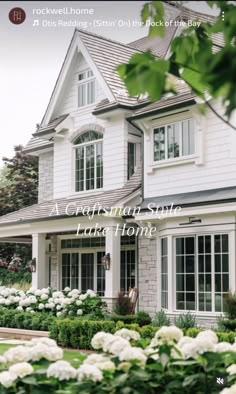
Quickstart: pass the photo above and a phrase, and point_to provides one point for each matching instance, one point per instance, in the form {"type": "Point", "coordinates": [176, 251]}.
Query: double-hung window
{"type": "Point", "coordinates": [88, 161]}
{"type": "Point", "coordinates": [86, 88]}
{"type": "Point", "coordinates": [174, 140]}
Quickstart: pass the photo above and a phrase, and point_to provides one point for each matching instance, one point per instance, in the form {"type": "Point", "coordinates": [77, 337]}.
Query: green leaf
{"type": "Point", "coordinates": [145, 13]}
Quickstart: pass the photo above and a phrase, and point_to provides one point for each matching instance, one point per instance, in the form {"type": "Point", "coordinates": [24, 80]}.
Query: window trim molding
{"type": "Point", "coordinates": [197, 158]}
{"type": "Point", "coordinates": [83, 82]}
{"type": "Point", "coordinates": [73, 138]}
{"type": "Point", "coordinates": [172, 263]}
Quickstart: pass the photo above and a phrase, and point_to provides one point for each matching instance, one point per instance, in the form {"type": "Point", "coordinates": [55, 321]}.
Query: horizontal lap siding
{"type": "Point", "coordinates": [218, 169]}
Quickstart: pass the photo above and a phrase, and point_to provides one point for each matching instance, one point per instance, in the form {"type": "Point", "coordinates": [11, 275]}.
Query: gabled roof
{"type": "Point", "coordinates": [42, 130]}
{"type": "Point", "coordinates": [41, 212]}
{"type": "Point", "coordinates": [105, 55]}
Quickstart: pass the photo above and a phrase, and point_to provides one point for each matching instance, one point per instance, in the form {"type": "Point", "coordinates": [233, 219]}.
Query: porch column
{"type": "Point", "coordinates": [113, 275]}
{"type": "Point", "coordinates": [39, 252]}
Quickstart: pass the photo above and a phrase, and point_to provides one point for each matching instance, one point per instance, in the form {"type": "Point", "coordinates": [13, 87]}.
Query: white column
{"type": "Point", "coordinates": [113, 275]}
{"type": "Point", "coordinates": [171, 270]}
{"type": "Point", "coordinates": [39, 253]}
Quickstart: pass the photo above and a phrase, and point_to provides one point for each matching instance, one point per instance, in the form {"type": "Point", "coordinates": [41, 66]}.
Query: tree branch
{"type": "Point", "coordinates": [218, 115]}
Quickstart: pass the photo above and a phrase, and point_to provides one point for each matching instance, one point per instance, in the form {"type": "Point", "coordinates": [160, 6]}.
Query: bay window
{"type": "Point", "coordinates": [89, 161]}
{"type": "Point", "coordinates": [174, 140]}
{"type": "Point", "coordinates": [202, 272]}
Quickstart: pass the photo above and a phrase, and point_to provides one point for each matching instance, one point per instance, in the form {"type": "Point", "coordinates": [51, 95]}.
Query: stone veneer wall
{"type": "Point", "coordinates": [45, 177]}
{"type": "Point", "coordinates": [148, 278]}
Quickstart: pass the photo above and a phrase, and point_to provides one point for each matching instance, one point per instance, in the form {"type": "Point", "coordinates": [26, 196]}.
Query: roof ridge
{"type": "Point", "coordinates": [89, 33]}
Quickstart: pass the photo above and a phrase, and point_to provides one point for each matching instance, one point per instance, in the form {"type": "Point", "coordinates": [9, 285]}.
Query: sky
{"type": "Point", "coordinates": [31, 57]}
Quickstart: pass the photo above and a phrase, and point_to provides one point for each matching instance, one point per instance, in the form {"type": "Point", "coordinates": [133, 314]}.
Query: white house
{"type": "Point", "coordinates": [100, 148]}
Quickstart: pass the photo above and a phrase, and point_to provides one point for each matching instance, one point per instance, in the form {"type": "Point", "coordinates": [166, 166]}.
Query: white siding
{"type": "Point", "coordinates": [114, 155]}
{"type": "Point", "coordinates": [69, 96]}
{"type": "Point", "coordinates": [218, 168]}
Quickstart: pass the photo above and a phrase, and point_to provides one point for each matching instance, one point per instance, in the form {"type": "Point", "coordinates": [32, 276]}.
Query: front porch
{"type": "Point", "coordinates": [71, 259]}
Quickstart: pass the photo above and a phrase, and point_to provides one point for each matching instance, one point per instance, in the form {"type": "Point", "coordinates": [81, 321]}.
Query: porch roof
{"type": "Point", "coordinates": [199, 198]}
{"type": "Point", "coordinates": [56, 208]}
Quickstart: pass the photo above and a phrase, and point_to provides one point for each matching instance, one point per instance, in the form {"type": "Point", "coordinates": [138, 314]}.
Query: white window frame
{"type": "Point", "coordinates": [85, 82]}
{"type": "Point", "coordinates": [195, 236]}
{"type": "Point", "coordinates": [84, 144]}
{"type": "Point", "coordinates": [165, 121]}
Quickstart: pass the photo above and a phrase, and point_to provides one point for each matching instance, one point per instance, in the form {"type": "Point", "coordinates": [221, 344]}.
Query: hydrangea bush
{"type": "Point", "coordinates": [56, 303]}
{"type": "Point", "coordinates": [171, 363]}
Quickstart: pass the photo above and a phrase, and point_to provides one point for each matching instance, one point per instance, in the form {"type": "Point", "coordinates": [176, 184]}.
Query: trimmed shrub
{"type": "Point", "coordinates": [192, 332]}
{"type": "Point", "coordinates": [161, 319]}
{"type": "Point", "coordinates": [141, 318]}
{"type": "Point", "coordinates": [26, 320]}
{"type": "Point", "coordinates": [78, 333]}
{"type": "Point", "coordinates": [185, 321]}
{"type": "Point", "coordinates": [230, 305]}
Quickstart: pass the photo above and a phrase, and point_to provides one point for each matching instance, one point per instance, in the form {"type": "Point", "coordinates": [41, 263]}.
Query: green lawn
{"type": "Point", "coordinates": [72, 356]}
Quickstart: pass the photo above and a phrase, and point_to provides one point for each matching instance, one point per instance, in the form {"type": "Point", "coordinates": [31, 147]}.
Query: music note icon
{"type": "Point", "coordinates": [36, 23]}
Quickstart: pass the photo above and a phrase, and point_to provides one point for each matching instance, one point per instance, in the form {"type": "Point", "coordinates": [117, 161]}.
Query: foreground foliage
{"type": "Point", "coordinates": [171, 363]}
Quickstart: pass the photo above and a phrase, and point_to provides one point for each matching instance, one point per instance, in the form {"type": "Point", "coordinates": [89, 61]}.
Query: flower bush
{"type": "Point", "coordinates": [56, 303]}
{"type": "Point", "coordinates": [171, 363]}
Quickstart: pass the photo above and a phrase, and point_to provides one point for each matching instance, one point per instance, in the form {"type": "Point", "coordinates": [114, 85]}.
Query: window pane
{"type": "Point", "coordinates": [131, 158]}
{"type": "Point", "coordinates": [164, 274]}
{"type": "Point", "coordinates": [225, 247]}
{"type": "Point", "coordinates": [189, 245]}
{"type": "Point", "coordinates": [188, 137]}
{"type": "Point", "coordinates": [189, 263]}
{"type": "Point", "coordinates": [99, 165]}
{"type": "Point", "coordinates": [89, 167]}
{"type": "Point", "coordinates": [190, 282]}
{"type": "Point", "coordinates": [173, 140]}
{"type": "Point", "coordinates": [180, 304]}
{"type": "Point", "coordinates": [79, 169]}
{"type": "Point", "coordinates": [180, 264]}
{"type": "Point", "coordinates": [91, 92]}
{"type": "Point", "coordinates": [180, 246]}
{"type": "Point", "coordinates": [159, 144]}
{"type": "Point", "coordinates": [81, 95]}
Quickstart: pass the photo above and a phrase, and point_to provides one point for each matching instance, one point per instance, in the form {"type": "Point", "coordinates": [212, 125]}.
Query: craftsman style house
{"type": "Point", "coordinates": [100, 149]}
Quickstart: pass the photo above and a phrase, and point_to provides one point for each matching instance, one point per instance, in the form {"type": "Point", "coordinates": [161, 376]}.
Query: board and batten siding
{"type": "Point", "coordinates": [217, 170]}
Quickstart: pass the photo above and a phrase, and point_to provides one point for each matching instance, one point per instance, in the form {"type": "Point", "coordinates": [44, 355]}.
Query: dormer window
{"type": "Point", "coordinates": [174, 140]}
{"type": "Point", "coordinates": [86, 88]}
{"type": "Point", "coordinates": [88, 161]}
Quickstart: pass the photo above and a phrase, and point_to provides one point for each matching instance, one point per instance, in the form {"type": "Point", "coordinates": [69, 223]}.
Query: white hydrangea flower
{"type": "Point", "coordinates": [61, 370]}
{"type": "Point", "coordinates": [79, 302]}
{"type": "Point", "coordinates": [44, 297]}
{"type": "Point", "coordinates": [196, 347]}
{"type": "Point", "coordinates": [107, 365]}
{"type": "Point", "coordinates": [133, 353]}
{"type": "Point", "coordinates": [59, 307]}
{"type": "Point", "coordinates": [93, 295]}
{"type": "Point", "coordinates": [44, 340]}
{"type": "Point", "coordinates": [2, 360]}
{"type": "Point", "coordinates": [21, 369]}
{"type": "Point", "coordinates": [28, 309]}
{"type": "Point", "coordinates": [40, 351]}
{"type": "Point", "coordinates": [231, 369]}
{"type": "Point", "coordinates": [151, 352]}
{"type": "Point", "coordinates": [208, 335]}
{"type": "Point", "coordinates": [154, 342]}
{"type": "Point", "coordinates": [17, 354]}
{"type": "Point", "coordinates": [32, 290]}
{"type": "Point", "coordinates": [99, 339]}
{"type": "Point", "coordinates": [33, 300]}
{"type": "Point", "coordinates": [128, 334]}
{"type": "Point", "coordinates": [66, 289]}
{"type": "Point", "coordinates": [57, 294]}
{"type": "Point", "coordinates": [95, 358]}
{"type": "Point", "coordinates": [184, 340]}
{"type": "Point", "coordinates": [89, 372]}
{"type": "Point", "coordinates": [223, 347]}
{"type": "Point", "coordinates": [32, 311]}
{"type": "Point", "coordinates": [59, 314]}
{"type": "Point", "coordinates": [79, 312]}
{"type": "Point", "coordinates": [109, 342]}
{"type": "Point", "coordinates": [12, 290]}
{"type": "Point", "coordinates": [45, 290]}
{"type": "Point", "coordinates": [51, 305]}
{"type": "Point", "coordinates": [19, 309]}
{"type": "Point", "coordinates": [118, 346]}
{"type": "Point", "coordinates": [83, 297]}
{"type": "Point", "coordinates": [230, 390]}
{"type": "Point", "coordinates": [169, 334]}
{"type": "Point", "coordinates": [38, 293]}
{"type": "Point", "coordinates": [7, 302]}
{"type": "Point", "coordinates": [41, 307]}
{"type": "Point", "coordinates": [7, 379]}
